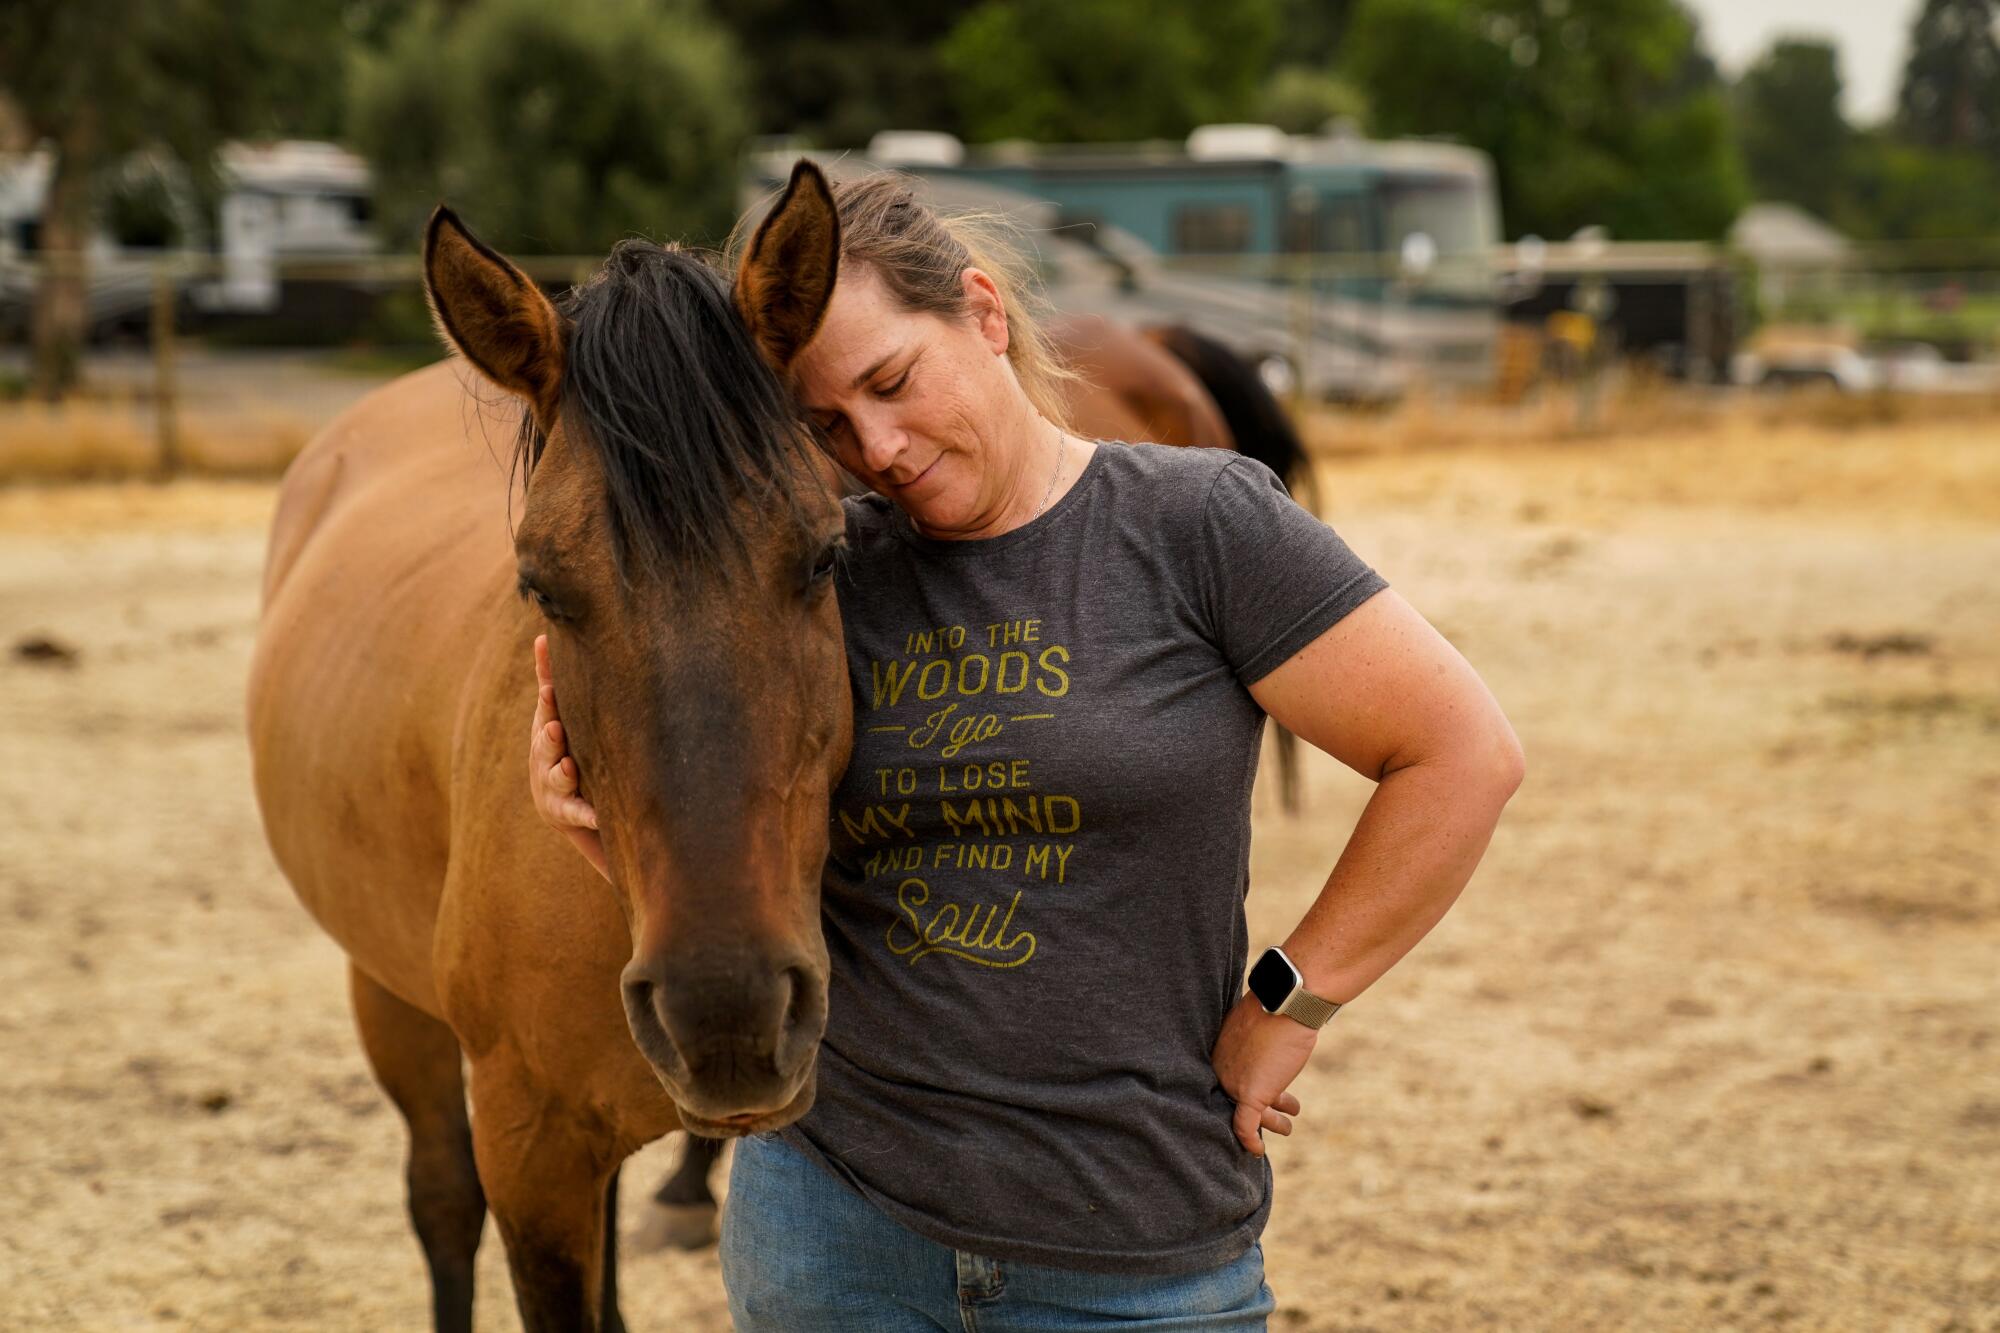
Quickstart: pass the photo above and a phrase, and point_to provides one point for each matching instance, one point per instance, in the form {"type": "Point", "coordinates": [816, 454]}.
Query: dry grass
{"type": "Point", "coordinates": [1628, 405]}
{"type": "Point", "coordinates": [1928, 472]}
{"type": "Point", "coordinates": [99, 440]}
{"type": "Point", "coordinates": [185, 504]}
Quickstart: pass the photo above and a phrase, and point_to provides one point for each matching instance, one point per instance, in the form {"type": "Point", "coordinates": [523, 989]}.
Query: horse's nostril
{"type": "Point", "coordinates": [797, 998]}
{"type": "Point", "coordinates": [643, 1011]}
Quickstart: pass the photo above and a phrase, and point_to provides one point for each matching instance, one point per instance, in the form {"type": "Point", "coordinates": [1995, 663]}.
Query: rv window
{"type": "Point", "coordinates": [1450, 209]}
{"type": "Point", "coordinates": [1343, 225]}
{"type": "Point", "coordinates": [1211, 229]}
{"type": "Point", "coordinates": [1333, 224]}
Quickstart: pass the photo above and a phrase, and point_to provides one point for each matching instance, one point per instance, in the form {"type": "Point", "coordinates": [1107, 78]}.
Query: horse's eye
{"type": "Point", "coordinates": [547, 604]}
{"type": "Point", "coordinates": [825, 563]}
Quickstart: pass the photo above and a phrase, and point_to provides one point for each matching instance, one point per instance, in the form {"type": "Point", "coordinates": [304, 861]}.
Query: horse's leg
{"type": "Point", "coordinates": [416, 1059]}
{"type": "Point", "coordinates": [683, 1212]}
{"type": "Point", "coordinates": [547, 1170]}
{"type": "Point", "coordinates": [607, 1300]}
{"type": "Point", "coordinates": [1291, 789]}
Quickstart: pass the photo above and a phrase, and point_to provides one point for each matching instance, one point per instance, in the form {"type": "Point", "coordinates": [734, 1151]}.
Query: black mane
{"type": "Point", "coordinates": [664, 383]}
{"type": "Point", "coordinates": [1256, 419]}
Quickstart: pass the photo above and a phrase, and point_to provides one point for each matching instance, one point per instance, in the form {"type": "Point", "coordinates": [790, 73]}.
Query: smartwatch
{"type": "Point", "coordinates": [1281, 990]}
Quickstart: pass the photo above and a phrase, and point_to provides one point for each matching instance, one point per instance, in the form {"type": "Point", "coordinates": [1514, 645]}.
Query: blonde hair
{"type": "Point", "coordinates": [919, 254]}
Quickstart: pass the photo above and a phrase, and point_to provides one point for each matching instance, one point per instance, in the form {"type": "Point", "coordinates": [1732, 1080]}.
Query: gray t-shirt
{"type": "Point", "coordinates": [1034, 900]}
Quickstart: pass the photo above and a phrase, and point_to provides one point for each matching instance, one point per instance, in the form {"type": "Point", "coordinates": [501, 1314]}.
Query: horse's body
{"type": "Point", "coordinates": [387, 711]}
{"type": "Point", "coordinates": [1131, 388]}
{"type": "Point", "coordinates": [1171, 385]}
{"type": "Point", "coordinates": [387, 681]}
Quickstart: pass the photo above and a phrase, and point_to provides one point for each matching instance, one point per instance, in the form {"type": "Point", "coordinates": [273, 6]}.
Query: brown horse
{"type": "Point", "coordinates": [675, 539]}
{"type": "Point", "coordinates": [1170, 384]}
{"type": "Point", "coordinates": [1129, 387]}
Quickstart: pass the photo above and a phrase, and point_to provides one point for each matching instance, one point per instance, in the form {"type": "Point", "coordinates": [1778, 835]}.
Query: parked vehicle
{"type": "Point", "coordinates": [281, 202]}
{"type": "Point", "coordinates": [1791, 356]}
{"type": "Point", "coordinates": [1351, 268]}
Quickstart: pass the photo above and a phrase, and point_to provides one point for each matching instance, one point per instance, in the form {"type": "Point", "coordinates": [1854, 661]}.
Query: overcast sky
{"type": "Point", "coordinates": [1872, 36]}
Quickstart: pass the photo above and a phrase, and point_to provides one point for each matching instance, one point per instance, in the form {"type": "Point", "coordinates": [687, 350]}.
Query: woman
{"type": "Point", "coordinates": [1043, 1089]}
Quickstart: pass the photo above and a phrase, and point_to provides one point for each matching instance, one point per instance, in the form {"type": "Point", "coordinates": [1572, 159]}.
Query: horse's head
{"type": "Point", "coordinates": [678, 540]}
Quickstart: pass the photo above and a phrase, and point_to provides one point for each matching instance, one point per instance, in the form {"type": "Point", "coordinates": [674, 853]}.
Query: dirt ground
{"type": "Point", "coordinates": [1711, 1041]}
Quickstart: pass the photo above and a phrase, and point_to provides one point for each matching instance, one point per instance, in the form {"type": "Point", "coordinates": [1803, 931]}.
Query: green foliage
{"type": "Point", "coordinates": [1906, 182]}
{"type": "Point", "coordinates": [139, 208]}
{"type": "Point", "coordinates": [1603, 113]}
{"type": "Point", "coordinates": [99, 79]}
{"type": "Point", "coordinates": [1083, 70]}
{"type": "Point", "coordinates": [1300, 99]}
{"type": "Point", "coordinates": [554, 129]}
{"type": "Point", "coordinates": [102, 78]}
{"type": "Point", "coordinates": [1794, 137]}
{"type": "Point", "coordinates": [837, 71]}
{"type": "Point", "coordinates": [1313, 30]}
{"type": "Point", "coordinates": [1906, 192]}
{"type": "Point", "coordinates": [1951, 83]}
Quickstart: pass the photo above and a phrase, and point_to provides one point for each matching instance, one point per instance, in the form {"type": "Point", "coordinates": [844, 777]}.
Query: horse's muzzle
{"type": "Point", "coordinates": [729, 1036]}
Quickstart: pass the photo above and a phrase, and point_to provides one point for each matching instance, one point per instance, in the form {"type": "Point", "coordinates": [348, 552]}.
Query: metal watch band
{"type": "Point", "coordinates": [1304, 1007]}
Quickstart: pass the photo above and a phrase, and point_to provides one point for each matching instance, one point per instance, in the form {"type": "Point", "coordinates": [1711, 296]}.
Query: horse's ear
{"type": "Point", "coordinates": [786, 277]}
{"type": "Point", "coordinates": [495, 316]}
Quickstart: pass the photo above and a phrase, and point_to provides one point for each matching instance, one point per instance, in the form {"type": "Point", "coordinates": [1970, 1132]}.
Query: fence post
{"type": "Point", "coordinates": [167, 427]}
{"type": "Point", "coordinates": [1301, 334]}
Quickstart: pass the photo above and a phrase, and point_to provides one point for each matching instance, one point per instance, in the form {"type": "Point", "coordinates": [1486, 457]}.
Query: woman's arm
{"type": "Point", "coordinates": [1385, 694]}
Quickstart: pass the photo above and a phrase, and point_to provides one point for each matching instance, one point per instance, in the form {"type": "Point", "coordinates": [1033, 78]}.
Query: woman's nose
{"type": "Point", "coordinates": [881, 444]}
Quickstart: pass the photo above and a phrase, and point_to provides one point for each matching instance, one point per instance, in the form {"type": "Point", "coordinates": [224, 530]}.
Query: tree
{"type": "Point", "coordinates": [1794, 137]}
{"type": "Point", "coordinates": [1081, 70]}
{"type": "Point", "coordinates": [1608, 113]}
{"type": "Point", "coordinates": [555, 129]}
{"type": "Point", "coordinates": [1305, 92]}
{"type": "Point", "coordinates": [837, 71]}
{"type": "Point", "coordinates": [1898, 191]}
{"type": "Point", "coordinates": [1951, 83]}
{"type": "Point", "coordinates": [95, 80]}
{"type": "Point", "coordinates": [1301, 99]}
{"type": "Point", "coordinates": [1313, 30]}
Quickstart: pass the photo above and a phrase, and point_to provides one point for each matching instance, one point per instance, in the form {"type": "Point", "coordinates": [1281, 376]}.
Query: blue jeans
{"type": "Point", "coordinates": [803, 1253]}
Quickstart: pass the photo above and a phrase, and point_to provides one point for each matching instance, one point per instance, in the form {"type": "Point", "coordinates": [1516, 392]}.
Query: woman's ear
{"type": "Point", "coordinates": [494, 314]}
{"type": "Point", "coordinates": [788, 270]}
{"type": "Point", "coordinates": [989, 312]}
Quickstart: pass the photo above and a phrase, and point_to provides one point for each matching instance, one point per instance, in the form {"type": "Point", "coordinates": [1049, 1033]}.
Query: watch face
{"type": "Point", "coordinates": [1272, 980]}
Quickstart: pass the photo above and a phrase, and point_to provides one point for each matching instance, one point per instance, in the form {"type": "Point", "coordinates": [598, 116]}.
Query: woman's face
{"type": "Point", "coordinates": [918, 406]}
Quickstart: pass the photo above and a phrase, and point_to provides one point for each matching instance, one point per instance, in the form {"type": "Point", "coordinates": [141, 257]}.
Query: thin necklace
{"type": "Point", "coordinates": [1053, 477]}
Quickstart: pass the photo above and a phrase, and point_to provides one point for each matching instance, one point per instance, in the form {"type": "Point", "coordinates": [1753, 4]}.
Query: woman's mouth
{"type": "Point", "coordinates": [905, 485]}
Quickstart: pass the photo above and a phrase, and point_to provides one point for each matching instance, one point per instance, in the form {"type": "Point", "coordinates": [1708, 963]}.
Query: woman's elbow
{"type": "Point", "coordinates": [1504, 761]}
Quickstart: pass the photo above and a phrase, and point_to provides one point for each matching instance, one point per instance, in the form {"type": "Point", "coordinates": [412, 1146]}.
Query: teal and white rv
{"type": "Point", "coordinates": [1352, 268]}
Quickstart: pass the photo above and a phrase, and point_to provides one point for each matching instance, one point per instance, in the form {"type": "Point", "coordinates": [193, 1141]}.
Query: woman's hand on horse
{"type": "Point", "coordinates": [552, 776]}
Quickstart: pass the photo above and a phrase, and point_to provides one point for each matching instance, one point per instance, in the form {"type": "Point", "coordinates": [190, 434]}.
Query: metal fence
{"type": "Point", "coordinates": [1496, 325]}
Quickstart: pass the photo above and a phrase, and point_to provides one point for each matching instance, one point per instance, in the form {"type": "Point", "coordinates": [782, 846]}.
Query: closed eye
{"type": "Point", "coordinates": [825, 563]}
{"type": "Point", "coordinates": [528, 592]}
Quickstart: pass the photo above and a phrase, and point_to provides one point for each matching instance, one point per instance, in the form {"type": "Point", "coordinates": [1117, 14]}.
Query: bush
{"type": "Point", "coordinates": [554, 129]}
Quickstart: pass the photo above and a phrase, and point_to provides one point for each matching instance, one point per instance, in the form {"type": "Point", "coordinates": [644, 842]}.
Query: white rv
{"type": "Point", "coordinates": [286, 201]}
